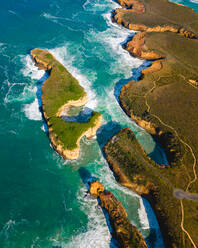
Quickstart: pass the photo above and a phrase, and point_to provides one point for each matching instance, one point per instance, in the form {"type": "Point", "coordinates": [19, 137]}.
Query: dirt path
{"type": "Point", "coordinates": [179, 193]}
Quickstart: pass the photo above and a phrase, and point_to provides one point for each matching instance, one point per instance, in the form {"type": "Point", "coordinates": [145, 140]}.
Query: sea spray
{"type": "Point", "coordinates": [62, 55]}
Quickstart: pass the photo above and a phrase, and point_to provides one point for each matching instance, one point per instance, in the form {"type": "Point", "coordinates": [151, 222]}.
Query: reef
{"type": "Point", "coordinates": [164, 103]}
{"type": "Point", "coordinates": [124, 232]}
{"type": "Point", "coordinates": [59, 92]}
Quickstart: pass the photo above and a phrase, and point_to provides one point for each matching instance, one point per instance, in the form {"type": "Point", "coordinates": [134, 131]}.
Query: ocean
{"type": "Point", "coordinates": [43, 199]}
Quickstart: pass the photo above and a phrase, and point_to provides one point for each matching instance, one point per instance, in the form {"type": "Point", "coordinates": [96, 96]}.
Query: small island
{"type": "Point", "coordinates": [59, 92]}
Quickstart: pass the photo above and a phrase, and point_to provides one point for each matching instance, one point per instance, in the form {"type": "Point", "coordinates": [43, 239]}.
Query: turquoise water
{"type": "Point", "coordinates": [43, 201]}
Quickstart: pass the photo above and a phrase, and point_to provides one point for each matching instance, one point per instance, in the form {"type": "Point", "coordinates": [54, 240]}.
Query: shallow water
{"type": "Point", "coordinates": [43, 198]}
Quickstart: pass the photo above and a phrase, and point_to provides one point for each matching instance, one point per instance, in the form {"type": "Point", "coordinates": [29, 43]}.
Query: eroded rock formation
{"type": "Point", "coordinates": [124, 232]}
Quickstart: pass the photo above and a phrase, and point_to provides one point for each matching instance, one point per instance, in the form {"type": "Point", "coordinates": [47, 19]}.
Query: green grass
{"type": "Point", "coordinates": [57, 90]}
{"type": "Point", "coordinates": [69, 132]}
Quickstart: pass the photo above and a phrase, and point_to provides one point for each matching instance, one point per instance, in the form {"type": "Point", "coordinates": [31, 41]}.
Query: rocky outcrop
{"type": "Point", "coordinates": [124, 232]}
{"type": "Point", "coordinates": [136, 47]}
{"type": "Point", "coordinates": [40, 63]}
{"type": "Point", "coordinates": [156, 66]}
{"type": "Point", "coordinates": [138, 8]}
{"type": "Point", "coordinates": [134, 169]}
{"type": "Point", "coordinates": [158, 103]}
{"type": "Point", "coordinates": [134, 5]}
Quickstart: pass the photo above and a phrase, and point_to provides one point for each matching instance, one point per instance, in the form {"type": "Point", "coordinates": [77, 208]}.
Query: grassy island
{"type": "Point", "coordinates": [60, 91]}
{"type": "Point", "coordinates": [164, 102]}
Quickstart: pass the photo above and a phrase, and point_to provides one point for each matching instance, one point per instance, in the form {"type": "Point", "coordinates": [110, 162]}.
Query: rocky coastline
{"type": "Point", "coordinates": [138, 47]}
{"type": "Point", "coordinates": [155, 103]}
{"type": "Point", "coordinates": [124, 232]}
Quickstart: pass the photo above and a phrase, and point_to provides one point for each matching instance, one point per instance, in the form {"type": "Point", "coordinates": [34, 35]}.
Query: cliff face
{"type": "Point", "coordinates": [60, 92]}
{"type": "Point", "coordinates": [124, 232]}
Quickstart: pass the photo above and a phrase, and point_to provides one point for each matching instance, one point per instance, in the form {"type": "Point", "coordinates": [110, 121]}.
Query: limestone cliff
{"type": "Point", "coordinates": [124, 232]}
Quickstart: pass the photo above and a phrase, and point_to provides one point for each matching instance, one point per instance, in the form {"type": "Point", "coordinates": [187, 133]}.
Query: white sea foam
{"type": "Point", "coordinates": [30, 70]}
{"type": "Point", "coordinates": [32, 111]}
{"type": "Point", "coordinates": [194, 1]}
{"type": "Point", "coordinates": [112, 38]}
{"type": "Point", "coordinates": [18, 92]}
{"type": "Point", "coordinates": [97, 233]}
{"type": "Point", "coordinates": [143, 215]}
{"type": "Point", "coordinates": [10, 226]}
{"type": "Point", "coordinates": [12, 12]}
{"type": "Point", "coordinates": [66, 59]}
{"type": "Point", "coordinates": [98, 6]}
{"type": "Point", "coordinates": [49, 16]}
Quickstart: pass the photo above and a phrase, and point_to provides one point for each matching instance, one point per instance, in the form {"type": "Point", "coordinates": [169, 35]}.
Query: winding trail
{"type": "Point", "coordinates": [176, 133]}
{"type": "Point", "coordinates": [182, 225]}
{"type": "Point", "coordinates": [178, 193]}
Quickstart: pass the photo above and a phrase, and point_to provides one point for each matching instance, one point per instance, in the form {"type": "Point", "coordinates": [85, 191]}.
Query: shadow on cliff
{"type": "Point", "coordinates": [106, 132]}
{"type": "Point", "coordinates": [136, 75]}
{"type": "Point", "coordinates": [158, 155]}
{"type": "Point", "coordinates": [87, 178]}
{"type": "Point", "coordinates": [154, 234]}
{"type": "Point", "coordinates": [39, 95]}
{"type": "Point", "coordinates": [82, 117]}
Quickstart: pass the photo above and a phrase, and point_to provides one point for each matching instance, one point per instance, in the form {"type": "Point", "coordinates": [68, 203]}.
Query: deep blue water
{"type": "Point", "coordinates": [43, 200]}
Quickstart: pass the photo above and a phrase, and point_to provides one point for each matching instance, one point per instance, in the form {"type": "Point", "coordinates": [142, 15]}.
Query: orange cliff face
{"type": "Point", "coordinates": [123, 231]}
{"type": "Point", "coordinates": [134, 5]}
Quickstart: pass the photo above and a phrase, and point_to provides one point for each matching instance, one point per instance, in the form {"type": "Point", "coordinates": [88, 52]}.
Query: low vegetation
{"type": "Point", "coordinates": [60, 88]}
{"type": "Point", "coordinates": [132, 168]}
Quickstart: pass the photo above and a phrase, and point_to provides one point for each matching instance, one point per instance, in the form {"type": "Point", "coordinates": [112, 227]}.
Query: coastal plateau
{"type": "Point", "coordinates": [164, 102]}
{"type": "Point", "coordinates": [59, 92]}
